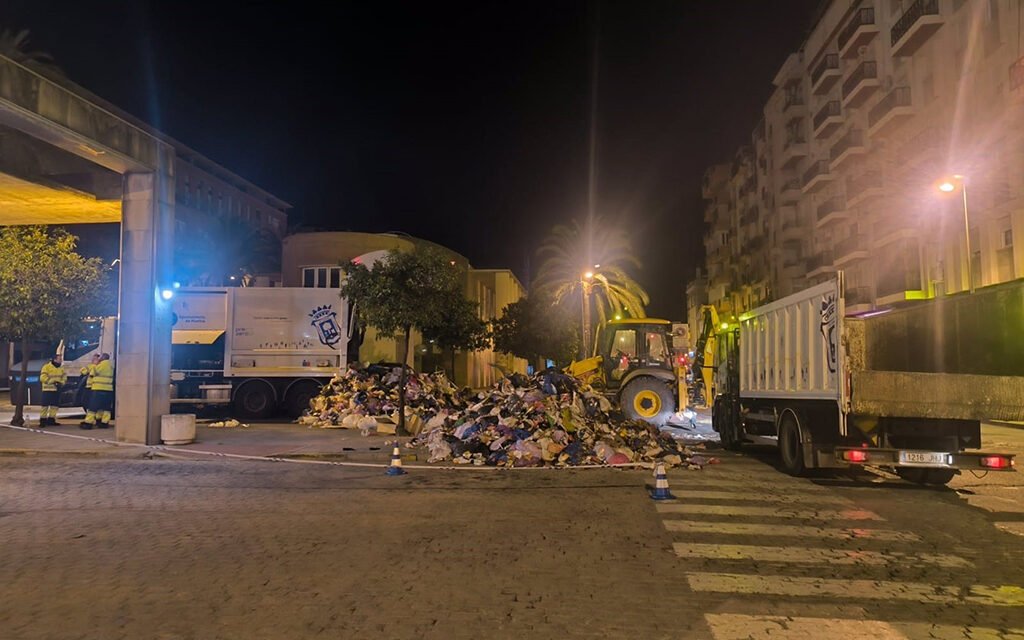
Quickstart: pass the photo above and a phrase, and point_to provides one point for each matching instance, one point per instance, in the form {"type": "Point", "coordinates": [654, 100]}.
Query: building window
{"type": "Point", "coordinates": [1007, 238]}
{"type": "Point", "coordinates": [321, 277]}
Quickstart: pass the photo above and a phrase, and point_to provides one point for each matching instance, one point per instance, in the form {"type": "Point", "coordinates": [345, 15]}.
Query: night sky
{"type": "Point", "coordinates": [466, 125]}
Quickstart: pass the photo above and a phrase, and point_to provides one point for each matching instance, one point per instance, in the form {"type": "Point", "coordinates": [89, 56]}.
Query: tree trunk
{"type": "Point", "coordinates": [19, 404]}
{"type": "Point", "coordinates": [401, 430]}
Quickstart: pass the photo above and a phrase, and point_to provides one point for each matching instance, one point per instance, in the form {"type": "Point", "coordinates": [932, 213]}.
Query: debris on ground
{"type": "Point", "coordinates": [227, 424]}
{"type": "Point", "coordinates": [545, 420]}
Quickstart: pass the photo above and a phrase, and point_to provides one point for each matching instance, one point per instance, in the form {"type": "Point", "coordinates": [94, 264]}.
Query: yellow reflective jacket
{"type": "Point", "coordinates": [103, 377]}
{"type": "Point", "coordinates": [51, 377]}
{"type": "Point", "coordinates": [89, 372]}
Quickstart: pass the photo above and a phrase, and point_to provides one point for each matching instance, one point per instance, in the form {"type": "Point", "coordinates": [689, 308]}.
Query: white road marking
{"type": "Point", "coordinates": [1004, 595]}
{"type": "Point", "coordinates": [731, 626]}
{"type": "Point", "coordinates": [811, 555]}
{"type": "Point", "coordinates": [785, 530]}
{"type": "Point", "coordinates": [775, 511]}
{"type": "Point", "coordinates": [749, 496]}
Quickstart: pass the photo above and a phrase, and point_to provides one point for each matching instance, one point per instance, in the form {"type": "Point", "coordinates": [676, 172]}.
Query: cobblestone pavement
{"type": "Point", "coordinates": [173, 549]}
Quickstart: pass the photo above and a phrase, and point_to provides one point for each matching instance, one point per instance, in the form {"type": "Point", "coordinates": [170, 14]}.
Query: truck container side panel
{"type": "Point", "coordinates": [288, 332]}
{"type": "Point", "coordinates": [807, 325]}
{"type": "Point", "coordinates": [937, 395]}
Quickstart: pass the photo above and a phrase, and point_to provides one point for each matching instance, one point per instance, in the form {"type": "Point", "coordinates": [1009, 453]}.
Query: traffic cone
{"type": "Point", "coordinates": [660, 491]}
{"type": "Point", "coordinates": [395, 468]}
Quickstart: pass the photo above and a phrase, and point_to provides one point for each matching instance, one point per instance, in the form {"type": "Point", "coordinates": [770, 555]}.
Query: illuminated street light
{"type": "Point", "coordinates": [588, 275]}
{"type": "Point", "coordinates": [949, 185]}
{"type": "Point", "coordinates": [167, 294]}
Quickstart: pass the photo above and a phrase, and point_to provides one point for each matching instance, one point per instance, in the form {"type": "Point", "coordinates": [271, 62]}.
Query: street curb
{"type": "Point", "coordinates": [1001, 423]}
{"type": "Point", "coordinates": [51, 452]}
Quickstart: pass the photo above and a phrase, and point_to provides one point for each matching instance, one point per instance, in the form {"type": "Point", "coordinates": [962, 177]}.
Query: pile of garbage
{"type": "Point", "coordinates": [545, 420]}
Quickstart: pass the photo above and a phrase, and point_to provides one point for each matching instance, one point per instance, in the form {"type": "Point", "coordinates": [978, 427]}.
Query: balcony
{"type": "Point", "coordinates": [816, 176]}
{"type": "Point", "coordinates": [892, 109]}
{"type": "Point", "coordinates": [851, 249]}
{"type": "Point", "coordinates": [850, 145]}
{"type": "Point", "coordinates": [820, 264]}
{"type": "Point", "coordinates": [790, 192]}
{"type": "Point", "coordinates": [893, 229]}
{"type": "Point", "coordinates": [794, 104]}
{"type": "Point", "coordinates": [863, 188]}
{"type": "Point", "coordinates": [828, 118]}
{"type": "Point", "coordinates": [1017, 75]}
{"type": "Point", "coordinates": [832, 210]}
{"type": "Point", "coordinates": [914, 27]}
{"type": "Point", "coordinates": [858, 33]}
{"type": "Point", "coordinates": [825, 74]}
{"type": "Point", "coordinates": [860, 84]}
{"type": "Point", "coordinates": [793, 151]}
{"type": "Point", "coordinates": [899, 285]}
{"type": "Point", "coordinates": [791, 230]}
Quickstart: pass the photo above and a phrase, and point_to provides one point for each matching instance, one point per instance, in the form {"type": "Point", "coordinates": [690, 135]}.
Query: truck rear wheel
{"type": "Point", "coordinates": [649, 399]}
{"type": "Point", "coordinates": [725, 424]}
{"type": "Point", "coordinates": [254, 400]}
{"type": "Point", "coordinates": [790, 448]}
{"type": "Point", "coordinates": [299, 395]}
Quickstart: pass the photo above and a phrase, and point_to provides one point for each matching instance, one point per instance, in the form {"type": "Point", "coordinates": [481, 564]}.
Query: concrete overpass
{"type": "Point", "coordinates": [66, 157]}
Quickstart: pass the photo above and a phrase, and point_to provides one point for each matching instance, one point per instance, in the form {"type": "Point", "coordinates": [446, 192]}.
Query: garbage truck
{"type": "Point", "coordinates": [254, 351]}
{"type": "Point", "coordinates": [903, 389]}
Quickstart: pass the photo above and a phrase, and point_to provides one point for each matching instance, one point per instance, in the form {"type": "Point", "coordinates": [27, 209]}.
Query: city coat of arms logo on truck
{"type": "Point", "coordinates": [828, 330]}
{"type": "Point", "coordinates": [325, 321]}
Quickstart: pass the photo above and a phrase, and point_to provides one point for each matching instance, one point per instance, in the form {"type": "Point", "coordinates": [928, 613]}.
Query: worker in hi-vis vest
{"type": "Point", "coordinates": [51, 377]}
{"type": "Point", "coordinates": [86, 375]}
{"type": "Point", "coordinates": [101, 400]}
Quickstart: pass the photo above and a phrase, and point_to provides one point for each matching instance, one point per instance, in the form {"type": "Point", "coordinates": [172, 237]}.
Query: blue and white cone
{"type": "Point", "coordinates": [660, 491]}
{"type": "Point", "coordinates": [395, 469]}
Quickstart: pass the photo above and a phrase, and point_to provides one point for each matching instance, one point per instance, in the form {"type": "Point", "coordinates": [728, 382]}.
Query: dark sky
{"type": "Point", "coordinates": [463, 124]}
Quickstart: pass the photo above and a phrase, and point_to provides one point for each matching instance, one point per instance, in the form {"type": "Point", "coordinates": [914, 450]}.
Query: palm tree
{"type": "Point", "coordinates": [583, 259]}
{"type": "Point", "coordinates": [14, 45]}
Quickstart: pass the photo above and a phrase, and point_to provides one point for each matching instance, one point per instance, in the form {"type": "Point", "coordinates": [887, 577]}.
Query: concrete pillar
{"type": "Point", "coordinates": [144, 328]}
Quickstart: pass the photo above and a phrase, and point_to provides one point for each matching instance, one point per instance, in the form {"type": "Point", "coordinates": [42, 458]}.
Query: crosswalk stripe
{"type": "Point", "coordinates": [786, 530]}
{"type": "Point", "coordinates": [769, 484]}
{"type": "Point", "coordinates": [732, 626]}
{"type": "Point", "coordinates": [748, 496]}
{"type": "Point", "coordinates": [811, 555]}
{"type": "Point", "coordinates": [773, 511]}
{"type": "Point", "coordinates": [1004, 595]}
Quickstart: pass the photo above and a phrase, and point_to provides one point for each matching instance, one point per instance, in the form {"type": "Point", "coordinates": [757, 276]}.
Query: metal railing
{"type": "Point", "coordinates": [831, 109]}
{"type": "Point", "coordinates": [862, 17]}
{"type": "Point", "coordinates": [854, 138]}
{"type": "Point", "coordinates": [867, 70]}
{"type": "Point", "coordinates": [830, 61]}
{"type": "Point", "coordinates": [793, 99]}
{"type": "Point", "coordinates": [794, 139]}
{"type": "Point", "coordinates": [913, 13]}
{"type": "Point", "coordinates": [898, 97]}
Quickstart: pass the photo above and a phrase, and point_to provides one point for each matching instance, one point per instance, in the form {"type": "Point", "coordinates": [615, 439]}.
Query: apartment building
{"type": "Point", "coordinates": [884, 100]}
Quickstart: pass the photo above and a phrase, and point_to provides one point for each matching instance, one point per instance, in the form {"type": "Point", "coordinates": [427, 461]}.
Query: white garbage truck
{"type": "Point", "coordinates": [255, 350]}
{"type": "Point", "coordinates": [904, 389]}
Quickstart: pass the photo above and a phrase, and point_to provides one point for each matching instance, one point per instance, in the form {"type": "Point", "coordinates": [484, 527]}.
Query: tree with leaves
{"type": "Point", "coordinates": [227, 247]}
{"type": "Point", "coordinates": [46, 288]}
{"type": "Point", "coordinates": [402, 292]}
{"type": "Point", "coordinates": [604, 251]}
{"type": "Point", "coordinates": [536, 328]}
{"type": "Point", "coordinates": [460, 328]}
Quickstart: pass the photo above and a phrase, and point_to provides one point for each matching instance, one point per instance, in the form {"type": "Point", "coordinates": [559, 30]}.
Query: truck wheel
{"type": "Point", "coordinates": [725, 424]}
{"type": "Point", "coordinates": [790, 447]}
{"type": "Point", "coordinates": [299, 395]}
{"type": "Point", "coordinates": [649, 399]}
{"type": "Point", "coordinates": [254, 400]}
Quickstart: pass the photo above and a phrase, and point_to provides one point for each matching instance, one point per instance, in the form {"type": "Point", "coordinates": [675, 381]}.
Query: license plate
{"type": "Point", "coordinates": [923, 457]}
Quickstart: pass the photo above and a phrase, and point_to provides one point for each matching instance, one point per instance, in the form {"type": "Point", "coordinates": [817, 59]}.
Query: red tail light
{"type": "Point", "coordinates": [996, 462]}
{"type": "Point", "coordinates": [855, 455]}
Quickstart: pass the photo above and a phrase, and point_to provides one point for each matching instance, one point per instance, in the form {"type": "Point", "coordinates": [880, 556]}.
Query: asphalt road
{"type": "Point", "coordinates": [96, 547]}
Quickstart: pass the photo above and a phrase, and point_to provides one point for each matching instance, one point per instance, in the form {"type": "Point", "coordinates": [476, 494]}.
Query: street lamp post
{"type": "Point", "coordinates": [586, 282]}
{"type": "Point", "coordinates": [949, 185]}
